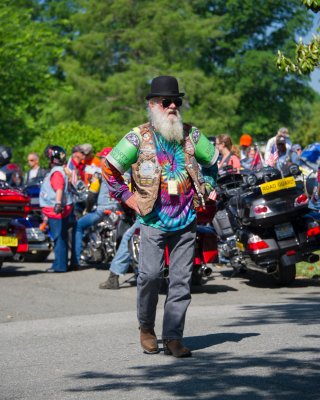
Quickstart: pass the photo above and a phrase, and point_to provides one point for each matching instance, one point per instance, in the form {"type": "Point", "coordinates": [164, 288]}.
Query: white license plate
{"type": "Point", "coordinates": [284, 231]}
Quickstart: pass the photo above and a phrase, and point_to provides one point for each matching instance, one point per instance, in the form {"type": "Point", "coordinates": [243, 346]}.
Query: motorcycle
{"type": "Point", "coordinates": [262, 222]}
{"type": "Point", "coordinates": [13, 238]}
{"type": "Point", "coordinates": [38, 234]}
{"type": "Point", "coordinates": [101, 241]}
{"type": "Point", "coordinates": [206, 251]}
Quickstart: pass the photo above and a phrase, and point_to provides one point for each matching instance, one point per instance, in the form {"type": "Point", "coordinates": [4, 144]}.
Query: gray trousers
{"type": "Point", "coordinates": [151, 266]}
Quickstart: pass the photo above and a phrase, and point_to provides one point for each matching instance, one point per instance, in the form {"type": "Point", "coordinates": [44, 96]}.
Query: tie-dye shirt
{"type": "Point", "coordinates": [174, 212]}
{"type": "Point", "coordinates": [170, 212]}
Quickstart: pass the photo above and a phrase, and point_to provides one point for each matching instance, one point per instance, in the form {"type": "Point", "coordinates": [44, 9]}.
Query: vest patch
{"type": "Point", "coordinates": [196, 136]}
{"type": "Point", "coordinates": [133, 139]}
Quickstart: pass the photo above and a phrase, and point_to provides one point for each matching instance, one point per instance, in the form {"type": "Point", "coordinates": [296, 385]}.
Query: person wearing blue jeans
{"type": "Point", "coordinates": [98, 192]}
{"type": "Point", "coordinates": [82, 224]}
{"type": "Point", "coordinates": [121, 261]}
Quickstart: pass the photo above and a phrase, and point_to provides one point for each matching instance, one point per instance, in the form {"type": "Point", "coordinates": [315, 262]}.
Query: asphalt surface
{"type": "Point", "coordinates": [63, 338]}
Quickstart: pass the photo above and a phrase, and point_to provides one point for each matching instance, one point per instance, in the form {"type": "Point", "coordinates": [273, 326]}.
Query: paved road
{"type": "Point", "coordinates": [63, 338]}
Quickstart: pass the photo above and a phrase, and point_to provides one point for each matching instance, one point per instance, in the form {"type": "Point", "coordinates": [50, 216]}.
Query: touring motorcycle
{"type": "Point", "coordinates": [262, 222]}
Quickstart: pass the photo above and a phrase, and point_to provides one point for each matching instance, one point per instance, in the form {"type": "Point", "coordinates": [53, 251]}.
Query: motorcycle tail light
{"type": "Point", "coordinates": [256, 243]}
{"type": "Point", "coordinates": [22, 240]}
{"type": "Point", "coordinates": [119, 212]}
{"type": "Point", "coordinates": [261, 209]}
{"type": "Point", "coordinates": [301, 200]}
{"type": "Point", "coordinates": [27, 209]}
{"type": "Point", "coordinates": [22, 248]}
{"type": "Point", "coordinates": [313, 231]}
{"type": "Point", "coordinates": [3, 232]}
{"type": "Point", "coordinates": [291, 252]}
{"type": "Point", "coordinates": [107, 212]}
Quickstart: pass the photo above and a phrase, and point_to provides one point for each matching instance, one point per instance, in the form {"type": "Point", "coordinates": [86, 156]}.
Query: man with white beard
{"type": "Point", "coordinates": [168, 184]}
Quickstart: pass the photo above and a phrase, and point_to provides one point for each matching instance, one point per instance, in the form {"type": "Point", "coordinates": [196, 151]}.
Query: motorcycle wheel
{"type": "Point", "coordinates": [285, 274]}
{"type": "Point", "coordinates": [38, 257]}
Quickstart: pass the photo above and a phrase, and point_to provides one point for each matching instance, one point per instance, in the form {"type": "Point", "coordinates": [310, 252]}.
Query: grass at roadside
{"type": "Point", "coordinates": [308, 270]}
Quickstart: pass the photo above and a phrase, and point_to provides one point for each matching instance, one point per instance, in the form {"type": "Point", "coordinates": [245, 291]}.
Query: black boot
{"type": "Point", "coordinates": [111, 283]}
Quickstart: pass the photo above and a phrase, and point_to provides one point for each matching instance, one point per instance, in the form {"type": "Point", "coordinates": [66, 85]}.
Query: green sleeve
{"type": "Point", "coordinates": [125, 153]}
{"type": "Point", "coordinates": [205, 152]}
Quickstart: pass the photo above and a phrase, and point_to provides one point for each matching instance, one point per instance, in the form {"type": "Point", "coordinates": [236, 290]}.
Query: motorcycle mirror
{"type": "Point", "coordinates": [252, 180]}
{"type": "Point", "coordinates": [294, 169]}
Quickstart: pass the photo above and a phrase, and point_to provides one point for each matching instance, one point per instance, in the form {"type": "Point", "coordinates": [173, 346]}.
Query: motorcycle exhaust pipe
{"type": "Point", "coordinates": [204, 271]}
{"type": "Point", "coordinates": [18, 257]}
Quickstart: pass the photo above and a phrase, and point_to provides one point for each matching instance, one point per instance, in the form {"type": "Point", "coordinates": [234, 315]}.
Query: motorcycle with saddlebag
{"type": "Point", "coordinates": [262, 222]}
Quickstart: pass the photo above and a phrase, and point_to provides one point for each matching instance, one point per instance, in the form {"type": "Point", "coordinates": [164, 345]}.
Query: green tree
{"type": "Point", "coordinates": [28, 53]}
{"type": "Point", "coordinates": [307, 56]}
{"type": "Point", "coordinates": [68, 135]}
{"type": "Point", "coordinates": [222, 52]}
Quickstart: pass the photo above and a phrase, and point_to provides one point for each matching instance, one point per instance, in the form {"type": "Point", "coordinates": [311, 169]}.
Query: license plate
{"type": "Point", "coordinates": [279, 184]}
{"type": "Point", "coordinates": [284, 231]}
{"type": "Point", "coordinates": [8, 241]}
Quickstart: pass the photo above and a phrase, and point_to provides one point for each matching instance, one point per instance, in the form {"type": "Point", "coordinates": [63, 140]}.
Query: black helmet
{"type": "Point", "coordinates": [5, 155]}
{"type": "Point", "coordinates": [56, 155]}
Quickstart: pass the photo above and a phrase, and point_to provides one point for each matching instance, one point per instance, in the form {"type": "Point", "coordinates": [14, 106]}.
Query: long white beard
{"type": "Point", "coordinates": [170, 129]}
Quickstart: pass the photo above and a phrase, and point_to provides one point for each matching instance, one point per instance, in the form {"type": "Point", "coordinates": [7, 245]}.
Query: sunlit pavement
{"type": "Point", "coordinates": [63, 338]}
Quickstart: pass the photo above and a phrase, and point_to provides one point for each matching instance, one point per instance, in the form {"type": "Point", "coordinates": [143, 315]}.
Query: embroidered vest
{"type": "Point", "coordinates": [147, 185]}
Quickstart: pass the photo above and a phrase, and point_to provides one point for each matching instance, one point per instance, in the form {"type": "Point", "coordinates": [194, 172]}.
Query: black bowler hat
{"type": "Point", "coordinates": [164, 86]}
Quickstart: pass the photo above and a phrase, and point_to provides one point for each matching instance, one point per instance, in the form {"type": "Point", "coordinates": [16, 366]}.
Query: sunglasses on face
{"type": "Point", "coordinates": [166, 102]}
{"type": "Point", "coordinates": [31, 159]}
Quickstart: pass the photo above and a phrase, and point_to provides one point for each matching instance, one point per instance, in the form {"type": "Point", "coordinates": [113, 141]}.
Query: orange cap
{"type": "Point", "coordinates": [245, 140]}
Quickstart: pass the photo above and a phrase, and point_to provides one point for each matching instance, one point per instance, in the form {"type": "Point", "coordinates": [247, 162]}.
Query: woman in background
{"type": "Point", "coordinates": [224, 146]}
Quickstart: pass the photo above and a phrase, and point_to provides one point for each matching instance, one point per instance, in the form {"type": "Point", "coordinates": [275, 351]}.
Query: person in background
{"type": "Point", "coordinates": [99, 195]}
{"type": "Point", "coordinates": [295, 153]}
{"type": "Point", "coordinates": [35, 170]}
{"type": "Point", "coordinates": [56, 203]}
{"type": "Point", "coordinates": [121, 261]}
{"type": "Point", "coordinates": [281, 158]}
{"type": "Point", "coordinates": [244, 143]}
{"type": "Point", "coordinates": [224, 146]}
{"type": "Point", "coordinates": [92, 163]}
{"type": "Point", "coordinates": [9, 172]}
{"type": "Point", "coordinates": [253, 160]}
{"type": "Point", "coordinates": [75, 166]}
{"type": "Point", "coordinates": [271, 144]}
{"type": "Point", "coordinates": [164, 155]}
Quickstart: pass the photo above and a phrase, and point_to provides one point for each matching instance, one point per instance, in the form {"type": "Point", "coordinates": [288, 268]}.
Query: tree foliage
{"type": "Point", "coordinates": [307, 56]}
{"type": "Point", "coordinates": [68, 135]}
{"type": "Point", "coordinates": [222, 52]}
{"type": "Point", "coordinates": [28, 53]}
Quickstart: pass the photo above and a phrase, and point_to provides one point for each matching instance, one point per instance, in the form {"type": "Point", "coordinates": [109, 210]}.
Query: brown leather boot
{"type": "Point", "coordinates": [148, 340]}
{"type": "Point", "coordinates": [176, 349]}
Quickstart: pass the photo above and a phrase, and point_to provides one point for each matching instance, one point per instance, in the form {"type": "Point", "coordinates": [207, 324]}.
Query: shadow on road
{"type": "Point", "coordinates": [219, 376]}
{"type": "Point", "coordinates": [202, 342]}
{"type": "Point", "coordinates": [11, 271]}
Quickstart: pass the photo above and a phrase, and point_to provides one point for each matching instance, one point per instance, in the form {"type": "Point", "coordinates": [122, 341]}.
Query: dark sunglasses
{"type": "Point", "coordinates": [166, 102]}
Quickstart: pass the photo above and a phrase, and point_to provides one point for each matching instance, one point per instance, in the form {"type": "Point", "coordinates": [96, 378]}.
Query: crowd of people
{"type": "Point", "coordinates": [173, 171]}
